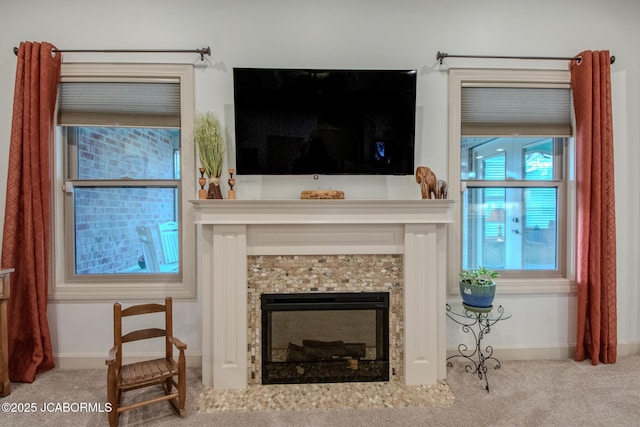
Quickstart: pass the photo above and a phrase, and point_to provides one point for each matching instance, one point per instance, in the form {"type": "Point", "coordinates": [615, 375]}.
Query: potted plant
{"type": "Point", "coordinates": [207, 134]}
{"type": "Point", "coordinates": [477, 288]}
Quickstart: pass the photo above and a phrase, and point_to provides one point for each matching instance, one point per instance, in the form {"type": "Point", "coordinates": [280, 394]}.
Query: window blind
{"type": "Point", "coordinates": [507, 111]}
{"type": "Point", "coordinates": [127, 104]}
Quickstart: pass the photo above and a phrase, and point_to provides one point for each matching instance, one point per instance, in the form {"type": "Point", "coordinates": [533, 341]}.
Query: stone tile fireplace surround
{"type": "Point", "coordinates": [300, 274]}
{"type": "Point", "coordinates": [229, 232]}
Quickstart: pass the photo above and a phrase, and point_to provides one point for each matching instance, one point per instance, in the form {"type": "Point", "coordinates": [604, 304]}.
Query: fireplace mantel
{"type": "Point", "coordinates": [322, 211]}
{"type": "Point", "coordinates": [229, 230]}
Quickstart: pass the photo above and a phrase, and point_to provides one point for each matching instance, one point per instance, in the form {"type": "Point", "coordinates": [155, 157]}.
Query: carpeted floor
{"type": "Point", "coordinates": [523, 393]}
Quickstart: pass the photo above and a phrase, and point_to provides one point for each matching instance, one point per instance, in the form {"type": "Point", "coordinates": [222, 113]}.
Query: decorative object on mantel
{"type": "Point", "coordinates": [231, 194]}
{"type": "Point", "coordinates": [322, 194]}
{"type": "Point", "coordinates": [202, 193]}
{"type": "Point", "coordinates": [442, 191]}
{"type": "Point", "coordinates": [428, 182]}
{"type": "Point", "coordinates": [207, 134]}
{"type": "Point", "coordinates": [477, 288]}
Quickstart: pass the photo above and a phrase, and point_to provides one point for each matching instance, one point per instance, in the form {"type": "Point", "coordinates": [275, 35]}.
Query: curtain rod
{"type": "Point", "coordinates": [442, 55]}
{"type": "Point", "coordinates": [202, 52]}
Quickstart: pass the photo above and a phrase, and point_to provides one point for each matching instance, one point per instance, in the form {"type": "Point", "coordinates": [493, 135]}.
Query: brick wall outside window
{"type": "Point", "coordinates": [106, 218]}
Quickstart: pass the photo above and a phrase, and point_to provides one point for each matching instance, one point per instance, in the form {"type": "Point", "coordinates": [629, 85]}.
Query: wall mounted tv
{"type": "Point", "coordinates": [300, 121]}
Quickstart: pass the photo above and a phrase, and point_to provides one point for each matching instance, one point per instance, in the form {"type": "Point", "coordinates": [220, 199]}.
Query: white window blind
{"type": "Point", "coordinates": [132, 104]}
{"type": "Point", "coordinates": [502, 111]}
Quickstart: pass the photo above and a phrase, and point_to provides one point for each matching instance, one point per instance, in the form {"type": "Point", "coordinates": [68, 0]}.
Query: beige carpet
{"type": "Point", "coordinates": [523, 393]}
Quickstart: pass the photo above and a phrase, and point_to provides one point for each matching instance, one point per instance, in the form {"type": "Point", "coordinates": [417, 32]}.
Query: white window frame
{"type": "Point", "coordinates": [517, 78]}
{"type": "Point", "coordinates": [184, 286]}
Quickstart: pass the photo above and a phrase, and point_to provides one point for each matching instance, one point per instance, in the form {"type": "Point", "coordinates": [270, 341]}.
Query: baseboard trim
{"type": "Point", "coordinates": [527, 353]}
{"type": "Point", "coordinates": [93, 361]}
{"type": "Point", "coordinates": [625, 348]}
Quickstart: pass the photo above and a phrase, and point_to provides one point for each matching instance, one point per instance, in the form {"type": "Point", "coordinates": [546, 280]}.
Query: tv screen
{"type": "Point", "coordinates": [295, 121]}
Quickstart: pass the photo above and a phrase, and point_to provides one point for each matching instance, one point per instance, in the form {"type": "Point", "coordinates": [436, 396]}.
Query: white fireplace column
{"type": "Point", "coordinates": [229, 230]}
{"type": "Point", "coordinates": [424, 304]}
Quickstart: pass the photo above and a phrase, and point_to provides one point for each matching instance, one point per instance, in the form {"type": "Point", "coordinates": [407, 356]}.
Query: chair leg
{"type": "Point", "coordinates": [113, 397]}
{"type": "Point", "coordinates": [113, 417]}
{"type": "Point", "coordinates": [182, 382]}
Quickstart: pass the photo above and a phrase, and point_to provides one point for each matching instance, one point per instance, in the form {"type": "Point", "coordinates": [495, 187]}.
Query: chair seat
{"type": "Point", "coordinates": [141, 374]}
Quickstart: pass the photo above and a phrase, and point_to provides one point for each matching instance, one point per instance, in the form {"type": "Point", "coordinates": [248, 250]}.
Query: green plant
{"type": "Point", "coordinates": [480, 276]}
{"type": "Point", "coordinates": [207, 134]}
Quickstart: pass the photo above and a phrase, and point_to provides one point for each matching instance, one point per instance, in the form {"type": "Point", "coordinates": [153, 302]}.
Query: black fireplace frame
{"type": "Point", "coordinates": [378, 301]}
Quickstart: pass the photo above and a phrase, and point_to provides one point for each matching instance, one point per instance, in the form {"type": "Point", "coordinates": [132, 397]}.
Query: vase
{"type": "Point", "coordinates": [478, 296]}
{"type": "Point", "coordinates": [214, 188]}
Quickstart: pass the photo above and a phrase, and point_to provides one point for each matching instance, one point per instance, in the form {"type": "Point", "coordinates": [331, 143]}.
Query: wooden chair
{"type": "Point", "coordinates": [121, 378]}
{"type": "Point", "coordinates": [148, 249]}
{"type": "Point", "coordinates": [168, 232]}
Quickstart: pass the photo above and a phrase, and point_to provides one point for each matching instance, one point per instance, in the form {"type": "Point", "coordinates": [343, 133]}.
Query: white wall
{"type": "Point", "coordinates": [351, 34]}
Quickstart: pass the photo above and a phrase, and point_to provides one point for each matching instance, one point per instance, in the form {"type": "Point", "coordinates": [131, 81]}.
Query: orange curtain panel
{"type": "Point", "coordinates": [596, 337]}
{"type": "Point", "coordinates": [27, 227]}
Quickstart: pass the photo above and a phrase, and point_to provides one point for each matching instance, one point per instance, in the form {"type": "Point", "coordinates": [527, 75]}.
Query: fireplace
{"type": "Point", "coordinates": [229, 232]}
{"type": "Point", "coordinates": [325, 337]}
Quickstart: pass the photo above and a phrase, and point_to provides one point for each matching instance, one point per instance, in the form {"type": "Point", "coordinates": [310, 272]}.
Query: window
{"type": "Point", "coordinates": [122, 164]}
{"type": "Point", "coordinates": [510, 155]}
{"type": "Point", "coordinates": [510, 207]}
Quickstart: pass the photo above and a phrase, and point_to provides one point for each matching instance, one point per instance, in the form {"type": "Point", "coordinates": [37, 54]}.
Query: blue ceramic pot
{"type": "Point", "coordinates": [476, 295]}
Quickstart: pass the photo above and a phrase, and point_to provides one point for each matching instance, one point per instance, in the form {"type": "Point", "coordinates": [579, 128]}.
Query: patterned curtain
{"type": "Point", "coordinates": [596, 336]}
{"type": "Point", "coordinates": [27, 226]}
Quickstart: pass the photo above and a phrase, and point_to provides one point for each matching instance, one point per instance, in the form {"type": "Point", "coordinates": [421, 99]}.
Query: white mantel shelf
{"type": "Point", "coordinates": [322, 211]}
{"type": "Point", "coordinates": [228, 231]}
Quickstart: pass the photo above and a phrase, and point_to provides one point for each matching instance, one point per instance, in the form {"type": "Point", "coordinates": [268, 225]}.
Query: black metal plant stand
{"type": "Point", "coordinates": [477, 322]}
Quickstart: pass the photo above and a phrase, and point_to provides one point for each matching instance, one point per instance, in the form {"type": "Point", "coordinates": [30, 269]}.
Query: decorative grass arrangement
{"type": "Point", "coordinates": [207, 133]}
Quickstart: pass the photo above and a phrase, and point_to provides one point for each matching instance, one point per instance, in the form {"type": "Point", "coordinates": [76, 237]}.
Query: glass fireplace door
{"type": "Point", "coordinates": [333, 337]}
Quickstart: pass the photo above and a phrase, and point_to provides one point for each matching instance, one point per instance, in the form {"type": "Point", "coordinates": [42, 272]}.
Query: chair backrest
{"type": "Point", "coordinates": [168, 232]}
{"type": "Point", "coordinates": [143, 334]}
{"type": "Point", "coordinates": [148, 249]}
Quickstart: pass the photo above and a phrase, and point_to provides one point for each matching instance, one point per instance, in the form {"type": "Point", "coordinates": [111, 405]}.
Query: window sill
{"type": "Point", "coordinates": [117, 291]}
{"type": "Point", "coordinates": [529, 286]}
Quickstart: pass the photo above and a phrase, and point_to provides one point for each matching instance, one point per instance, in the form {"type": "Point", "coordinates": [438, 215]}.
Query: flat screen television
{"type": "Point", "coordinates": [301, 121]}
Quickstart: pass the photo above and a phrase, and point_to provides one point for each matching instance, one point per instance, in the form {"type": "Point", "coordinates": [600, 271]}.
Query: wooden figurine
{"type": "Point", "coordinates": [442, 189]}
{"type": "Point", "coordinates": [231, 194]}
{"type": "Point", "coordinates": [202, 193]}
{"type": "Point", "coordinates": [428, 182]}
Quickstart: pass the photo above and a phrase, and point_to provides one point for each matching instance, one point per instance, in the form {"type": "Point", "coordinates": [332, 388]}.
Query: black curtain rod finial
{"type": "Point", "coordinates": [204, 51]}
